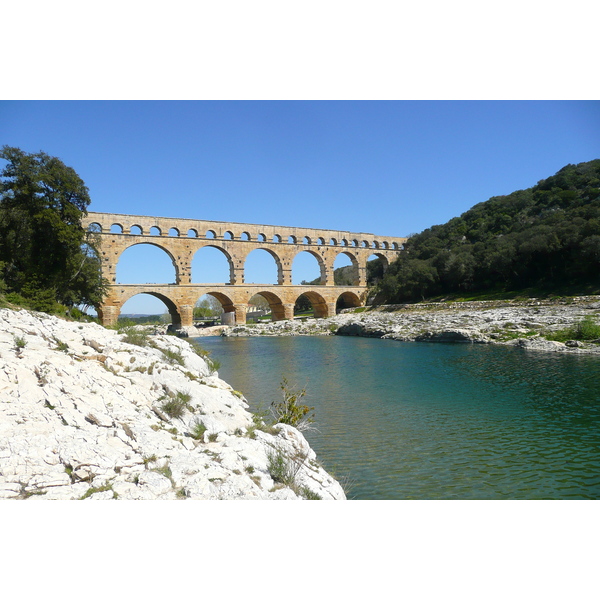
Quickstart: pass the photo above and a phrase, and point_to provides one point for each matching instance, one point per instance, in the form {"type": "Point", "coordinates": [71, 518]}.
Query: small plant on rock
{"type": "Point", "coordinates": [61, 346]}
{"type": "Point", "coordinates": [198, 430]}
{"type": "Point", "coordinates": [282, 468]}
{"type": "Point", "coordinates": [20, 342]}
{"type": "Point", "coordinates": [290, 410]}
{"type": "Point", "coordinates": [173, 357]}
{"type": "Point", "coordinates": [213, 365]}
{"type": "Point", "coordinates": [135, 336]}
{"type": "Point", "coordinates": [308, 494]}
{"type": "Point", "coordinates": [175, 407]}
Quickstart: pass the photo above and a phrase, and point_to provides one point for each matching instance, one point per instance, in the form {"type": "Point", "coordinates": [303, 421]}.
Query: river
{"type": "Point", "coordinates": [434, 421]}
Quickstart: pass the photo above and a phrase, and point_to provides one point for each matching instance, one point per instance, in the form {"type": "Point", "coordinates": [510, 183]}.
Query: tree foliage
{"type": "Point", "coordinates": [45, 255]}
{"type": "Point", "coordinates": [547, 236]}
{"type": "Point", "coordinates": [207, 308]}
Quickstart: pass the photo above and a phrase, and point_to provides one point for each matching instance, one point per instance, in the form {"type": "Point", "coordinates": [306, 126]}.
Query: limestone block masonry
{"type": "Point", "coordinates": [182, 238]}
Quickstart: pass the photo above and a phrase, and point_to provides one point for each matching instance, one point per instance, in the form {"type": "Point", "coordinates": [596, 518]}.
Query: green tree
{"type": "Point", "coordinates": [207, 307]}
{"type": "Point", "coordinates": [45, 254]}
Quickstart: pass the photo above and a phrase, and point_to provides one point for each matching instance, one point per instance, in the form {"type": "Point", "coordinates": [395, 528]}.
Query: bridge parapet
{"type": "Point", "coordinates": [239, 232]}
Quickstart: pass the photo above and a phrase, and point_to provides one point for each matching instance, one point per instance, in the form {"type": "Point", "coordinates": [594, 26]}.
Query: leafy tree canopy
{"type": "Point", "coordinates": [545, 237]}
{"type": "Point", "coordinates": [46, 256]}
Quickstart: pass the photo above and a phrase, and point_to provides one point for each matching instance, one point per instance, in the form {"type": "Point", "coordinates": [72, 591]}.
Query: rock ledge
{"type": "Point", "coordinates": [85, 415]}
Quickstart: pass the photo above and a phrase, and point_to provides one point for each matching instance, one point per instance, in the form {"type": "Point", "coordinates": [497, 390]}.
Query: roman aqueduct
{"type": "Point", "coordinates": [182, 238]}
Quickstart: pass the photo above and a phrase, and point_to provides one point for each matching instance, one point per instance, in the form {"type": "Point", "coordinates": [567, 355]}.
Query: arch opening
{"type": "Point", "coordinates": [210, 307]}
{"type": "Point", "coordinates": [308, 269]}
{"type": "Point", "coordinates": [95, 228]}
{"type": "Point", "coordinates": [211, 264]}
{"type": "Point", "coordinates": [155, 230]}
{"type": "Point", "coordinates": [174, 232]}
{"type": "Point", "coordinates": [310, 304]}
{"type": "Point", "coordinates": [150, 307]}
{"type": "Point", "coordinates": [192, 233]}
{"type": "Point", "coordinates": [377, 265]}
{"type": "Point", "coordinates": [146, 263]}
{"type": "Point", "coordinates": [345, 269]}
{"type": "Point", "coordinates": [258, 309]}
{"type": "Point", "coordinates": [136, 230]}
{"type": "Point", "coordinates": [116, 228]}
{"type": "Point", "coordinates": [347, 300]}
{"type": "Point", "coordinates": [264, 267]}
{"type": "Point", "coordinates": [276, 308]}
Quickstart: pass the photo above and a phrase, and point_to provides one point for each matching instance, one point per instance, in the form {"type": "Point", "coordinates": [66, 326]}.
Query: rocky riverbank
{"type": "Point", "coordinates": [519, 323]}
{"type": "Point", "coordinates": [87, 412]}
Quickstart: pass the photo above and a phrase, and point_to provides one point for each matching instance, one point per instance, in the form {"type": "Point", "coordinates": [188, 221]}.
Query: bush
{"type": "Point", "coordinates": [198, 430]}
{"type": "Point", "coordinates": [175, 407]}
{"type": "Point", "coordinates": [20, 342]}
{"type": "Point", "coordinates": [281, 468]}
{"type": "Point", "coordinates": [290, 410]}
{"type": "Point", "coordinates": [213, 365]}
{"type": "Point", "coordinates": [587, 329]}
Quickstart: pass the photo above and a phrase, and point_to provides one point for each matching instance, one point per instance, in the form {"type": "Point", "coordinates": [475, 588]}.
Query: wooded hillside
{"type": "Point", "coordinates": [546, 237]}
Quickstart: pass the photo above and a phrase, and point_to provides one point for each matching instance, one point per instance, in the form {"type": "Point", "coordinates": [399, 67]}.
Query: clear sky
{"type": "Point", "coordinates": [384, 167]}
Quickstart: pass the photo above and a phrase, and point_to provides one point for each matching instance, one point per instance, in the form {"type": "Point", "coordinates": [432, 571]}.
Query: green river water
{"type": "Point", "coordinates": [434, 421]}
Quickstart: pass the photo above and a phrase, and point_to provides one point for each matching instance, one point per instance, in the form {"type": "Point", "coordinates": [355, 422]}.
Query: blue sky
{"type": "Point", "coordinates": [385, 167]}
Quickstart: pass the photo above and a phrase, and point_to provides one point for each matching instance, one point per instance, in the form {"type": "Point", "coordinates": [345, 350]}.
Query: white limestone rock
{"type": "Point", "coordinates": [79, 418]}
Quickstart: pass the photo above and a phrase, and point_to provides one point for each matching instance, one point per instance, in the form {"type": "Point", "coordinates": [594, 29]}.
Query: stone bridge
{"type": "Point", "coordinates": [182, 238]}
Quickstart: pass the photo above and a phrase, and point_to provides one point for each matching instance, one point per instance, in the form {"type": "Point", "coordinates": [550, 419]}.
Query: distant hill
{"type": "Point", "coordinates": [545, 238]}
{"type": "Point", "coordinates": [347, 275]}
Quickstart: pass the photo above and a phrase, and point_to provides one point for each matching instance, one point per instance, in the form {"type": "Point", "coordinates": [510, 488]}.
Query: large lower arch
{"type": "Point", "coordinates": [347, 300]}
{"type": "Point", "coordinates": [140, 274]}
{"type": "Point", "coordinates": [171, 306]}
{"type": "Point", "coordinates": [226, 301]}
{"type": "Point", "coordinates": [275, 304]}
{"type": "Point", "coordinates": [319, 304]}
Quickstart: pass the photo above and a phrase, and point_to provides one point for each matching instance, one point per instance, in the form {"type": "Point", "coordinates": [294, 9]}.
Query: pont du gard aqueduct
{"type": "Point", "coordinates": [182, 238]}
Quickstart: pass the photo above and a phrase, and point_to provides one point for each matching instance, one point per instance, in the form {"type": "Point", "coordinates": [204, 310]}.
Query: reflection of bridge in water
{"type": "Point", "coordinates": [182, 238]}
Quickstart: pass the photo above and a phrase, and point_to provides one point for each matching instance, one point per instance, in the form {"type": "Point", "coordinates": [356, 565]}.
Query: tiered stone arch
{"type": "Point", "coordinates": [182, 238]}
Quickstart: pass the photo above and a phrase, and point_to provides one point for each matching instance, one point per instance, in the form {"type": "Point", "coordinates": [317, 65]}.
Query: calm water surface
{"type": "Point", "coordinates": [434, 421]}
